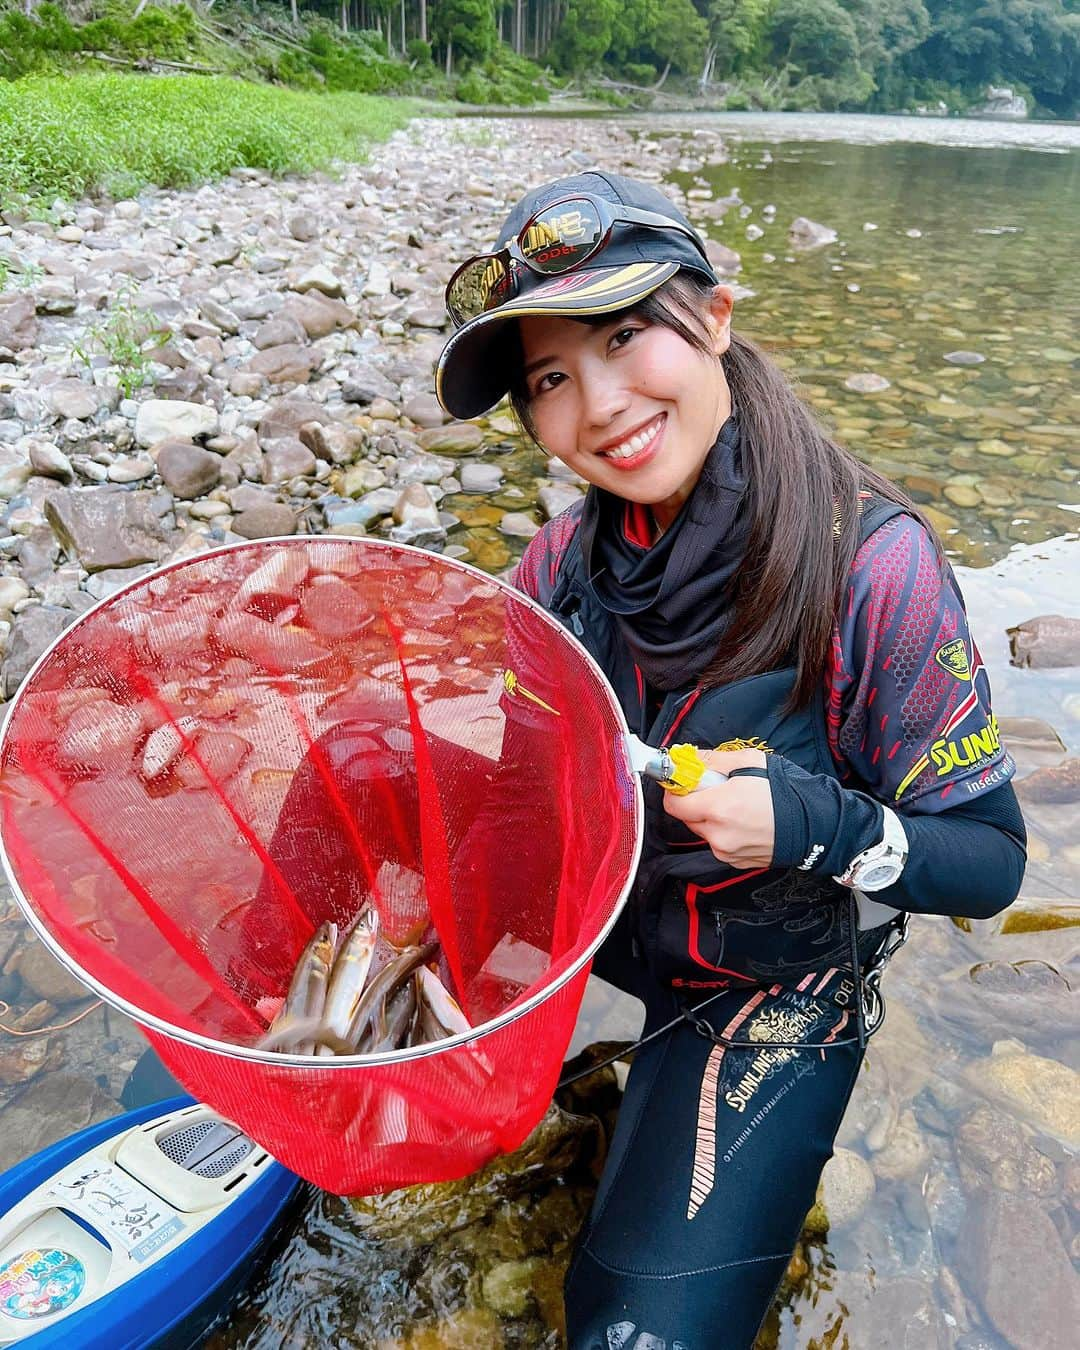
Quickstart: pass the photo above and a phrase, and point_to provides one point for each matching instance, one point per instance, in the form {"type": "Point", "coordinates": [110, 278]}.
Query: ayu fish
{"type": "Point", "coordinates": [348, 976]}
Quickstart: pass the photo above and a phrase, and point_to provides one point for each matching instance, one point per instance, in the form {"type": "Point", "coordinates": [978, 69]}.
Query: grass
{"type": "Point", "coordinates": [81, 134]}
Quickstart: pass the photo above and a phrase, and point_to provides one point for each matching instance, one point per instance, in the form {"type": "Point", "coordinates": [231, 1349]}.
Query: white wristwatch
{"type": "Point", "coordinates": [880, 865]}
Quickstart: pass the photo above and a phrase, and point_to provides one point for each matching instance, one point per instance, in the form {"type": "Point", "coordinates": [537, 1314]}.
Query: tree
{"type": "Point", "coordinates": [464, 28]}
{"type": "Point", "coordinates": [584, 36]}
{"type": "Point", "coordinates": [816, 36]}
{"type": "Point", "coordinates": [736, 31]}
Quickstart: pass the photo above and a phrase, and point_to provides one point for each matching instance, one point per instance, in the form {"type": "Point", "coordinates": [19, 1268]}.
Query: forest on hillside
{"type": "Point", "coordinates": [871, 55]}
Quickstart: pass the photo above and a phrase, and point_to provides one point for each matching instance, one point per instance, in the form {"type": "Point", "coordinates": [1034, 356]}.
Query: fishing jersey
{"type": "Point", "coordinates": [907, 698]}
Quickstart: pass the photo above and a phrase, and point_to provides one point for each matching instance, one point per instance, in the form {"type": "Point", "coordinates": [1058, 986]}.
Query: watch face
{"type": "Point", "coordinates": [878, 875]}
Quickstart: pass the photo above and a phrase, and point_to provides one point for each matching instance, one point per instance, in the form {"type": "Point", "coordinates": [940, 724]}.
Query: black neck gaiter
{"type": "Point", "coordinates": [671, 600]}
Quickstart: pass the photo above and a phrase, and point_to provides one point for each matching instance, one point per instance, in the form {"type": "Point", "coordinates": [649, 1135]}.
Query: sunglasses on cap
{"type": "Point", "coordinates": [557, 239]}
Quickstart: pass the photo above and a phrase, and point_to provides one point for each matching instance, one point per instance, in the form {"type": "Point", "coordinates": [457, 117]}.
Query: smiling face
{"type": "Point", "coordinates": [629, 405]}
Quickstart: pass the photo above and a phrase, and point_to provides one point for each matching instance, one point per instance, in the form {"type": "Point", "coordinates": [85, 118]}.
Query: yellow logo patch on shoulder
{"type": "Point", "coordinates": [953, 657]}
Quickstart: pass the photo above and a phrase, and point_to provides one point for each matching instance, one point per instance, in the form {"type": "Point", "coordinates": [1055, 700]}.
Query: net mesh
{"type": "Point", "coordinates": [242, 745]}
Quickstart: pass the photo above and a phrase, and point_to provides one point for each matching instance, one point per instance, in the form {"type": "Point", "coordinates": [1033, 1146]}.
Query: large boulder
{"type": "Point", "coordinates": [107, 527]}
{"type": "Point", "coordinates": [1011, 1257]}
{"type": "Point", "coordinates": [163, 419]}
{"type": "Point", "coordinates": [1049, 640]}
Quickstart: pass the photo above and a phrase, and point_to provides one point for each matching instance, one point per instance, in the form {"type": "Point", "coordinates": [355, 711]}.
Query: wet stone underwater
{"type": "Point", "coordinates": [949, 1217]}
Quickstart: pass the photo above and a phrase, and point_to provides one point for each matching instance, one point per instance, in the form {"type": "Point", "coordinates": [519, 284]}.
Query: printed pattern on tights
{"type": "Point", "coordinates": [734, 1185]}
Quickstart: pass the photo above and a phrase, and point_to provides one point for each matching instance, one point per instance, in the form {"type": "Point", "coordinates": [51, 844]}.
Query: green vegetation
{"type": "Point", "coordinates": [126, 337]}
{"type": "Point", "coordinates": [66, 136]}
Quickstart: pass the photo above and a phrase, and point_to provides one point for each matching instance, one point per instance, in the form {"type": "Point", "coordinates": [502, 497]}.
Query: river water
{"type": "Point", "coordinates": [953, 237]}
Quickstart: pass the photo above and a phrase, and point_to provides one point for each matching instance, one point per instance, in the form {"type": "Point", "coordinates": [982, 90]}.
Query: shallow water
{"type": "Point", "coordinates": [992, 449]}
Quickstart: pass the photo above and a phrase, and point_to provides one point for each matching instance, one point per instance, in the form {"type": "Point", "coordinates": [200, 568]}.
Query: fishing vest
{"type": "Point", "coordinates": [697, 922]}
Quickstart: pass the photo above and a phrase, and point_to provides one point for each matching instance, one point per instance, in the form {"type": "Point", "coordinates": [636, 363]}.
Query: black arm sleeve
{"type": "Point", "coordinates": [968, 860]}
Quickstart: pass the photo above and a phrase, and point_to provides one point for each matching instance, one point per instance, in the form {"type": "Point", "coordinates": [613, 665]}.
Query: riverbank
{"type": "Point", "coordinates": [84, 134]}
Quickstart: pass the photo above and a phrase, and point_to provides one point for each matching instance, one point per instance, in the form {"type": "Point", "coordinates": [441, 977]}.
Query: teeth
{"type": "Point", "coordinates": [635, 443]}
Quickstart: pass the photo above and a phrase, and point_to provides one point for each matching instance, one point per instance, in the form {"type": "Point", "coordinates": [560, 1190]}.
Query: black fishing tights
{"type": "Point", "coordinates": [714, 1164]}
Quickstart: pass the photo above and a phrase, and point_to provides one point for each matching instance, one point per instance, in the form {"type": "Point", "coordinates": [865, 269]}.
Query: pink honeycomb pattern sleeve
{"type": "Point", "coordinates": [907, 696]}
{"type": "Point", "coordinates": [538, 569]}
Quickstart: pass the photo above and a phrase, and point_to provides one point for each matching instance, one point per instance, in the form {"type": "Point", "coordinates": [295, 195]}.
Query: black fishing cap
{"type": "Point", "coordinates": [473, 371]}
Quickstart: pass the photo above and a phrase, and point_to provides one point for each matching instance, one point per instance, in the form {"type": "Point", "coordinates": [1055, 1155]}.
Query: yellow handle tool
{"type": "Point", "coordinates": [678, 768]}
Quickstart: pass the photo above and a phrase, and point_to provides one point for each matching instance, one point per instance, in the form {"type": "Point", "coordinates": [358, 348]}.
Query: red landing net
{"type": "Point", "coordinates": [242, 745]}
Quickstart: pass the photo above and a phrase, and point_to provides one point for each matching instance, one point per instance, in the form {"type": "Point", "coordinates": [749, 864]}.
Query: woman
{"type": "Point", "coordinates": [745, 584]}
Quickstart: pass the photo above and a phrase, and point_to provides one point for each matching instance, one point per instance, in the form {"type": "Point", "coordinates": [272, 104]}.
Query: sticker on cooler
{"type": "Point", "coordinates": [122, 1207]}
{"type": "Point", "coordinates": [40, 1282]}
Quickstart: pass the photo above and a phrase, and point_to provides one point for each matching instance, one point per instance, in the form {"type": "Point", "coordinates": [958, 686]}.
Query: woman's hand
{"type": "Point", "coordinates": [735, 818]}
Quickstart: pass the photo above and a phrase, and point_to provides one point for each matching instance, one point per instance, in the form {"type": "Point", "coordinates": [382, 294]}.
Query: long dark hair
{"type": "Point", "coordinates": [802, 500]}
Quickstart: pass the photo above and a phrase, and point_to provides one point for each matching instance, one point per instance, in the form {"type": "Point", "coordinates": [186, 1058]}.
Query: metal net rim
{"type": "Point", "coordinates": [249, 1054]}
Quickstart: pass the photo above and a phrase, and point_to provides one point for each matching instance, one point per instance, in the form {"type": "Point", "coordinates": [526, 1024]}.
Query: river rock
{"type": "Point", "coordinates": [425, 410]}
{"type": "Point", "coordinates": [458, 438]}
{"type": "Point", "coordinates": [287, 364]}
{"type": "Point", "coordinates": [33, 630]}
{"type": "Point", "coordinates": [160, 419]}
{"type": "Point", "coordinates": [50, 461]}
{"type": "Point", "coordinates": [74, 398]}
{"type": "Point", "coordinates": [377, 283]}
{"type": "Point", "coordinates": [319, 278]}
{"type": "Point", "coordinates": [187, 470]}
{"type": "Point", "coordinates": [1042, 1091]}
{"type": "Point", "coordinates": [54, 1107]}
{"type": "Point", "coordinates": [279, 331]}
{"type": "Point", "coordinates": [304, 226]}
{"type": "Point", "coordinates": [331, 441]}
{"type": "Point", "coordinates": [847, 1185]}
{"type": "Point", "coordinates": [318, 314]}
{"type": "Point", "coordinates": [964, 358]}
{"type": "Point", "coordinates": [1031, 741]}
{"type": "Point", "coordinates": [430, 316]}
{"type": "Point", "coordinates": [866, 383]}
{"type": "Point", "coordinates": [1050, 640]}
{"type": "Point", "coordinates": [1010, 1256]}
{"type": "Point", "coordinates": [364, 383]}
{"type": "Point", "coordinates": [131, 469]}
{"type": "Point", "coordinates": [219, 315]}
{"type": "Point", "coordinates": [518, 525]}
{"type": "Point", "coordinates": [995, 1150]}
{"type": "Point", "coordinates": [480, 478]}
{"type": "Point", "coordinates": [897, 1314]}
{"type": "Point", "coordinates": [905, 1153]}
{"type": "Point", "coordinates": [286, 457]}
{"type": "Point", "coordinates": [415, 507]}
{"type": "Point", "coordinates": [1055, 783]}
{"type": "Point", "coordinates": [44, 976]}
{"type": "Point", "coordinates": [723, 259]}
{"type": "Point", "coordinates": [1031, 997]}
{"type": "Point", "coordinates": [556, 498]}
{"type": "Point", "coordinates": [12, 590]}
{"type": "Point", "coordinates": [286, 417]}
{"type": "Point", "coordinates": [107, 527]}
{"type": "Point", "coordinates": [18, 322]}
{"type": "Point", "coordinates": [13, 478]}
{"type": "Point", "coordinates": [805, 234]}
{"type": "Point", "coordinates": [265, 521]}
{"type": "Point", "coordinates": [26, 1059]}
